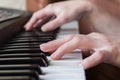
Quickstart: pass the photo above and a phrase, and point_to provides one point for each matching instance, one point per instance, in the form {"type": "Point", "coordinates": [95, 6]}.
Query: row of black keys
{"type": "Point", "coordinates": [28, 42]}
{"type": "Point", "coordinates": [26, 66]}
{"type": "Point", "coordinates": [21, 57]}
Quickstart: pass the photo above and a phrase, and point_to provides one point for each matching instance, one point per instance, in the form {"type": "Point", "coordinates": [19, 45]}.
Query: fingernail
{"type": "Point", "coordinates": [26, 28]}
{"type": "Point", "coordinates": [43, 29]}
{"type": "Point", "coordinates": [79, 65]}
{"type": "Point", "coordinates": [54, 56]}
{"type": "Point", "coordinates": [42, 46]}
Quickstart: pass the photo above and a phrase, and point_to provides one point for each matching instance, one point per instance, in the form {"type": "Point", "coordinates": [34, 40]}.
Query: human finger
{"type": "Point", "coordinates": [53, 45]}
{"type": "Point", "coordinates": [96, 58]}
{"type": "Point", "coordinates": [78, 42]}
{"type": "Point", "coordinates": [35, 18]}
{"type": "Point", "coordinates": [65, 48]}
{"type": "Point", "coordinates": [53, 23]}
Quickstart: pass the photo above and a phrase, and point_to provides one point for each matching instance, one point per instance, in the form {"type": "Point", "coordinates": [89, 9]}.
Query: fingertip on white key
{"type": "Point", "coordinates": [80, 65]}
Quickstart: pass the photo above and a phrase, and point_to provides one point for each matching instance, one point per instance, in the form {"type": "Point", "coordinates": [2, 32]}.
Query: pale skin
{"type": "Point", "coordinates": [104, 47]}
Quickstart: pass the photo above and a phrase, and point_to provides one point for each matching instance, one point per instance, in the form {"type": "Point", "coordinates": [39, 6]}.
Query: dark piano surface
{"type": "Point", "coordinates": [20, 55]}
{"type": "Point", "coordinates": [103, 72]}
{"type": "Point", "coordinates": [9, 26]}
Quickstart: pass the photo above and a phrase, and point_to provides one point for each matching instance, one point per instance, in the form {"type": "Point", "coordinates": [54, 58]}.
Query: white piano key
{"type": "Point", "coordinates": [67, 68]}
{"type": "Point", "coordinates": [64, 69]}
{"type": "Point", "coordinates": [61, 69]}
{"type": "Point", "coordinates": [62, 72]}
{"type": "Point", "coordinates": [62, 77]}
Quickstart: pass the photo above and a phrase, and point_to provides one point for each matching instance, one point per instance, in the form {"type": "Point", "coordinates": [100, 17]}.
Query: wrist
{"type": "Point", "coordinates": [80, 6]}
{"type": "Point", "coordinates": [85, 5]}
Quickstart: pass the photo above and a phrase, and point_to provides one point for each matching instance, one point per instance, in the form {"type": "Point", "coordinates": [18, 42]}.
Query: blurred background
{"type": "Point", "coordinates": [16, 4]}
{"type": "Point", "coordinates": [30, 5]}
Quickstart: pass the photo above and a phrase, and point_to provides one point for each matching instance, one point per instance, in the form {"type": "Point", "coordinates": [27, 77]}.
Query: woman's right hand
{"type": "Point", "coordinates": [100, 48]}
{"type": "Point", "coordinates": [63, 11]}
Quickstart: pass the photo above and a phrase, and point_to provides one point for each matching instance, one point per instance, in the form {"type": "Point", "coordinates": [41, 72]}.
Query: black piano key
{"type": "Point", "coordinates": [49, 34]}
{"type": "Point", "coordinates": [17, 78]}
{"type": "Point", "coordinates": [21, 50]}
{"type": "Point", "coordinates": [42, 55]}
{"type": "Point", "coordinates": [22, 46]}
{"type": "Point", "coordinates": [26, 60]}
{"type": "Point", "coordinates": [34, 67]}
{"type": "Point", "coordinates": [35, 33]}
{"type": "Point", "coordinates": [15, 73]}
{"type": "Point", "coordinates": [30, 41]}
{"type": "Point", "coordinates": [33, 37]}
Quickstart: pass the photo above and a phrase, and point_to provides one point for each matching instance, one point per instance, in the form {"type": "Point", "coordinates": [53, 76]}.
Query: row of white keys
{"type": "Point", "coordinates": [67, 68]}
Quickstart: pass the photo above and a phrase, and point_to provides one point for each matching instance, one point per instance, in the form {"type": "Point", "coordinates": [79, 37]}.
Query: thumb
{"type": "Point", "coordinates": [96, 58]}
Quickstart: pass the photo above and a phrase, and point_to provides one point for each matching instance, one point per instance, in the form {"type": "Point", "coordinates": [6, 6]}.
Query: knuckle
{"type": "Point", "coordinates": [83, 37]}
{"type": "Point", "coordinates": [35, 14]}
{"type": "Point", "coordinates": [76, 38]}
{"type": "Point", "coordinates": [49, 6]}
{"type": "Point", "coordinates": [68, 37]}
{"type": "Point", "coordinates": [93, 34]}
{"type": "Point", "coordinates": [65, 19]}
{"type": "Point", "coordinates": [60, 21]}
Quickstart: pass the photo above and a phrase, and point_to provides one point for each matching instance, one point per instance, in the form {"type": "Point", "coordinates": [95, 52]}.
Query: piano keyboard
{"type": "Point", "coordinates": [22, 59]}
{"type": "Point", "coordinates": [66, 68]}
